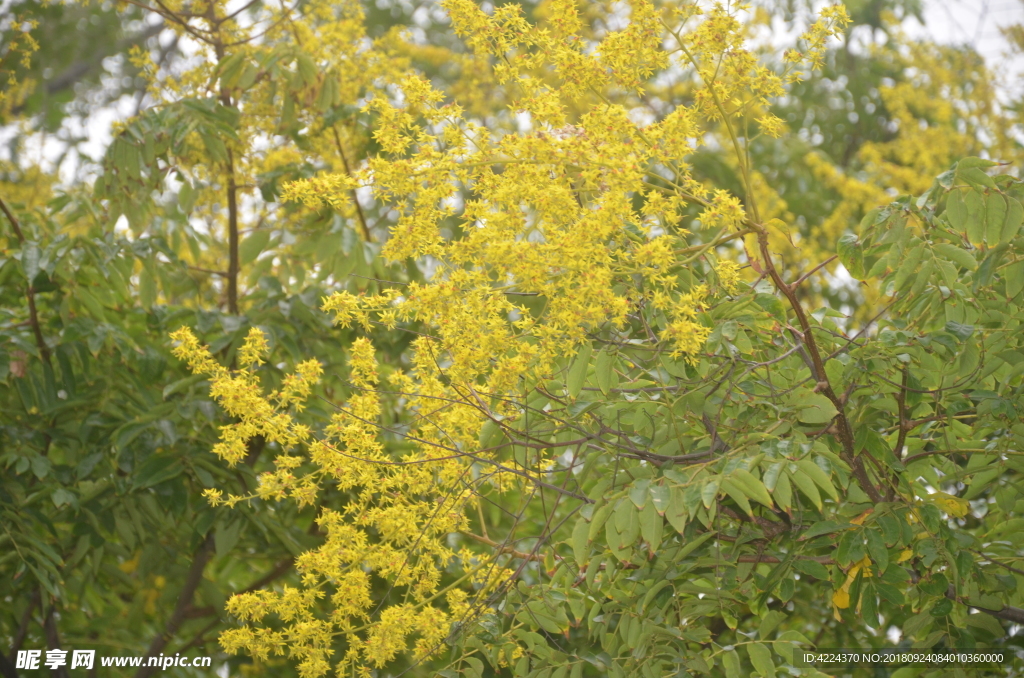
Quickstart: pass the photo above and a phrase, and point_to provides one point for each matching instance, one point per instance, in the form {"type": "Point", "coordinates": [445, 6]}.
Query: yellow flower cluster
{"type": "Point", "coordinates": [569, 222]}
{"type": "Point", "coordinates": [394, 526]}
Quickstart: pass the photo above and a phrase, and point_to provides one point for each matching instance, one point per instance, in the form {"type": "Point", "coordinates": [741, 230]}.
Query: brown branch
{"type": "Point", "coordinates": [1011, 568]}
{"type": "Point", "coordinates": [814, 270]}
{"type": "Point", "coordinates": [233, 263]}
{"type": "Point", "coordinates": [824, 560]}
{"type": "Point", "coordinates": [26, 619]}
{"type": "Point", "coordinates": [53, 642]}
{"type": "Point", "coordinates": [192, 581]}
{"type": "Point", "coordinates": [1007, 612]}
{"type": "Point", "coordinates": [363, 228]}
{"type": "Point", "coordinates": [844, 432]}
{"type": "Point", "coordinates": [30, 293]}
{"type": "Point", "coordinates": [503, 549]}
{"type": "Point", "coordinates": [7, 669]}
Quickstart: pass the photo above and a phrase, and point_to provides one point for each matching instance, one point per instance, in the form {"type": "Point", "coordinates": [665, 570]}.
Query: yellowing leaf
{"type": "Point", "coordinates": [859, 520]}
{"type": "Point", "coordinates": [954, 506]}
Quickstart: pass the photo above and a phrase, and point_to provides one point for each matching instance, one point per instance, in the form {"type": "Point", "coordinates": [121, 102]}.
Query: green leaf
{"type": "Point", "coordinates": [306, 68]}
{"type": "Point", "coordinates": [820, 478]}
{"type": "Point", "coordinates": [1014, 278]}
{"type": "Point", "coordinates": [771, 475]}
{"type": "Point", "coordinates": [709, 492]}
{"type": "Point", "coordinates": [652, 592]}
{"type": "Point", "coordinates": [812, 568]}
{"type": "Point", "coordinates": [230, 68]}
{"type": "Point", "coordinates": [490, 434]}
{"type": "Point", "coordinates": [30, 261]}
{"type": "Point", "coordinates": [995, 218]}
{"type": "Point", "coordinates": [761, 658]}
{"type": "Point", "coordinates": [957, 255]}
{"type": "Point", "coordinates": [963, 332]}
{"type": "Point", "coordinates": [986, 622]}
{"type": "Point", "coordinates": [598, 520]}
{"type": "Point", "coordinates": [783, 492]}
{"type": "Point", "coordinates": [578, 371]}
{"type": "Point", "coordinates": [769, 623]}
{"type": "Point", "coordinates": [825, 527]}
{"type": "Point", "coordinates": [253, 244]}
{"type": "Point", "coordinates": [956, 210]}
{"type": "Point", "coordinates": [737, 495]}
{"type": "Point", "coordinates": [923, 277]}
{"type": "Point", "coordinates": [909, 266]}
{"type": "Point", "coordinates": [187, 197]}
{"type": "Point", "coordinates": [147, 287]}
{"type": "Point", "coordinates": [607, 377]}
{"type": "Point", "coordinates": [539, 612]}
{"type": "Point", "coordinates": [731, 662]}
{"type": "Point", "coordinates": [328, 93]}
{"type": "Point", "coordinates": [752, 487]}
{"type": "Point", "coordinates": [182, 384]}
{"type": "Point", "coordinates": [155, 470]}
{"type": "Point", "coordinates": [638, 492]}
{"type": "Point", "coordinates": [651, 525]}
{"type": "Point", "coordinates": [61, 496]}
{"type": "Point", "coordinates": [976, 177]}
{"type": "Point", "coordinates": [975, 226]}
{"type": "Point", "coordinates": [771, 304]}
{"type": "Point", "coordinates": [973, 161]}
{"type": "Point", "coordinates": [580, 541]}
{"type": "Point", "coordinates": [851, 255]}
{"type": "Point", "coordinates": [659, 497]}
{"type": "Point", "coordinates": [226, 536]}
{"type": "Point", "coordinates": [676, 513]}
{"type": "Point", "coordinates": [877, 550]}
{"type": "Point", "coordinates": [1014, 218]}
{"type": "Point", "coordinates": [806, 486]}
{"type": "Point", "coordinates": [693, 545]}
{"type": "Point", "coordinates": [815, 408]}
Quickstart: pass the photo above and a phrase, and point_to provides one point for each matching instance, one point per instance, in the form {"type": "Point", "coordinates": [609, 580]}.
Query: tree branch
{"type": "Point", "coordinates": [33, 314]}
{"type": "Point", "coordinates": [233, 263]}
{"type": "Point", "coordinates": [843, 430]}
{"type": "Point", "coordinates": [363, 228]}
{"type": "Point", "coordinates": [192, 581]}
{"type": "Point", "coordinates": [7, 669]}
{"type": "Point", "coordinates": [53, 642]}
{"type": "Point", "coordinates": [26, 619]}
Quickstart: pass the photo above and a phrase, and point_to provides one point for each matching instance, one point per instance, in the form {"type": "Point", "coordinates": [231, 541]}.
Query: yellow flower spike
{"type": "Point", "coordinates": [253, 349]}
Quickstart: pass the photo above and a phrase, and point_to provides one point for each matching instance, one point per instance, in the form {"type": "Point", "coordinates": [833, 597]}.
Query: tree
{"type": "Point", "coordinates": [652, 448]}
{"type": "Point", "coordinates": [107, 540]}
{"type": "Point", "coordinates": [578, 427]}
